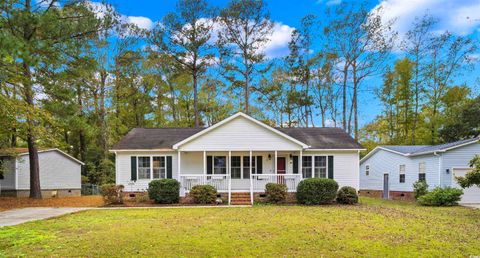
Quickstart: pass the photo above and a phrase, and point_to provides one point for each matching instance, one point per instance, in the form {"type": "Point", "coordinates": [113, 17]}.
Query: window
{"type": "Point", "coordinates": [320, 166]}
{"type": "Point", "coordinates": [307, 166]}
{"type": "Point", "coordinates": [143, 168]}
{"type": "Point", "coordinates": [421, 172]}
{"type": "Point", "coordinates": [159, 167]}
{"type": "Point", "coordinates": [246, 166]}
{"type": "Point", "coordinates": [236, 167]}
{"type": "Point", "coordinates": [367, 170]}
{"type": "Point", "coordinates": [402, 174]}
{"type": "Point", "coordinates": [219, 165]}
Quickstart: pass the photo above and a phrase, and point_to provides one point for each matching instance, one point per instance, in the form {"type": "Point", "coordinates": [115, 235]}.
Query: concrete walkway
{"type": "Point", "coordinates": [19, 216]}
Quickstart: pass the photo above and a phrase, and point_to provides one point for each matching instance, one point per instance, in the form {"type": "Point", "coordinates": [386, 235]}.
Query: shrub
{"type": "Point", "coordinates": [314, 191]}
{"type": "Point", "coordinates": [447, 196]}
{"type": "Point", "coordinates": [420, 188]}
{"type": "Point", "coordinates": [276, 193]}
{"type": "Point", "coordinates": [112, 194]}
{"type": "Point", "coordinates": [164, 191]}
{"type": "Point", "coordinates": [203, 194]}
{"type": "Point", "coordinates": [347, 195]}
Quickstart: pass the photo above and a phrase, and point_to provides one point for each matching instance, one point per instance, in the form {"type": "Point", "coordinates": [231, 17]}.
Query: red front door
{"type": "Point", "coordinates": [281, 165]}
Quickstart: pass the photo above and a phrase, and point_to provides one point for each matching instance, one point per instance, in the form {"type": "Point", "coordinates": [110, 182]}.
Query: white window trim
{"type": "Point", "coordinates": [227, 163]}
{"type": "Point", "coordinates": [400, 172]}
{"type": "Point", "coordinates": [254, 168]}
{"type": "Point", "coordinates": [313, 164]}
{"type": "Point", "coordinates": [422, 169]}
{"type": "Point", "coordinates": [151, 166]}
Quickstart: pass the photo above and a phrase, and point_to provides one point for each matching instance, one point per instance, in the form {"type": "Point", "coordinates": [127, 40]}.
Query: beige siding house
{"type": "Point", "coordinates": [60, 174]}
{"type": "Point", "coordinates": [237, 155]}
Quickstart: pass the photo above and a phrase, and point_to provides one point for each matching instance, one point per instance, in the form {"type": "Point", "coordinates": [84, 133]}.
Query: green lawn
{"type": "Point", "coordinates": [373, 228]}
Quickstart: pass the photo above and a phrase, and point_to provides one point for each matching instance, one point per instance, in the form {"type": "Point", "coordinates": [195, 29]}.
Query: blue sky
{"type": "Point", "coordinates": [461, 17]}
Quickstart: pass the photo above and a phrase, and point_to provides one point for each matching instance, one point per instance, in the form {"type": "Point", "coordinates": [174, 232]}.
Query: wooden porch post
{"type": "Point", "coordinates": [300, 161]}
{"type": "Point", "coordinates": [275, 162]}
{"type": "Point", "coordinates": [204, 162]}
{"type": "Point", "coordinates": [229, 177]}
{"type": "Point", "coordinates": [251, 178]}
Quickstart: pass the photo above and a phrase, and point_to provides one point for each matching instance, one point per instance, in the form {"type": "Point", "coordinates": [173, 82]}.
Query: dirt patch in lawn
{"type": "Point", "coordinates": [7, 203]}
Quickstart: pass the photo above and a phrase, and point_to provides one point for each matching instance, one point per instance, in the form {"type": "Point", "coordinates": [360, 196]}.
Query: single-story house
{"type": "Point", "coordinates": [60, 173]}
{"type": "Point", "coordinates": [390, 171]}
{"type": "Point", "coordinates": [238, 155]}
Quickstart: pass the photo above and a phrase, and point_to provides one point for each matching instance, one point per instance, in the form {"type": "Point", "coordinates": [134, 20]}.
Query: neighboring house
{"type": "Point", "coordinates": [237, 155]}
{"type": "Point", "coordinates": [390, 171]}
{"type": "Point", "coordinates": [60, 173]}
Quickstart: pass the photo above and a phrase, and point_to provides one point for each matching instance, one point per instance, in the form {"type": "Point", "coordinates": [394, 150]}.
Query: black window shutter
{"type": "Point", "coordinates": [295, 164]}
{"type": "Point", "coordinates": [330, 167]}
{"type": "Point", "coordinates": [259, 164]}
{"type": "Point", "coordinates": [169, 166]}
{"type": "Point", "coordinates": [209, 164]}
{"type": "Point", "coordinates": [133, 168]}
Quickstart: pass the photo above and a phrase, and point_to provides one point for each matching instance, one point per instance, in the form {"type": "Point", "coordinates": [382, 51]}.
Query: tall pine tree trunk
{"type": "Point", "coordinates": [344, 97]}
{"type": "Point", "coordinates": [35, 190]}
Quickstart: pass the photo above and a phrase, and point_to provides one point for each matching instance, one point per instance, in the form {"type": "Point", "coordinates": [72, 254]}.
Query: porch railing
{"type": "Point", "coordinates": [259, 181]}
{"type": "Point", "coordinates": [220, 182]}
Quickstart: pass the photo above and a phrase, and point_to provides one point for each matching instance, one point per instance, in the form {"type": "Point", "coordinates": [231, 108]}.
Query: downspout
{"type": "Point", "coordinates": [439, 168]}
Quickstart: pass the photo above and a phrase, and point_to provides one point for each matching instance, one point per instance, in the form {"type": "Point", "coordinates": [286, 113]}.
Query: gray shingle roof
{"type": "Point", "coordinates": [323, 137]}
{"type": "Point", "coordinates": [417, 149]}
{"type": "Point", "coordinates": [165, 138]}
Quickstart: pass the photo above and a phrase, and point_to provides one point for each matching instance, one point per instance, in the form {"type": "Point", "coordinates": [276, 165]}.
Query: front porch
{"type": "Point", "coordinates": [239, 171]}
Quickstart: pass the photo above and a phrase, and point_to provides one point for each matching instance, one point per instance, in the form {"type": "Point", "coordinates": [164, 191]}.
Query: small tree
{"type": "Point", "coordinates": [473, 177]}
{"type": "Point", "coordinates": [420, 188]}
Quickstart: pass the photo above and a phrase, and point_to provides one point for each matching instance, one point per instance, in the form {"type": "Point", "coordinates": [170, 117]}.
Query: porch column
{"type": "Point", "coordinates": [178, 163]}
{"type": "Point", "coordinates": [313, 166]}
{"type": "Point", "coordinates": [229, 177]}
{"type": "Point", "coordinates": [275, 162]}
{"type": "Point", "coordinates": [204, 162]}
{"type": "Point", "coordinates": [250, 163]}
{"type": "Point", "coordinates": [300, 161]}
{"type": "Point", "coordinates": [251, 178]}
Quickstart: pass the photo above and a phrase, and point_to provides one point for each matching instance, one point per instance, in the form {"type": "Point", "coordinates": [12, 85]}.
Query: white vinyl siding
{"type": "Point", "coordinates": [345, 166]}
{"type": "Point", "coordinates": [56, 171]}
{"type": "Point", "coordinates": [123, 168]}
{"type": "Point", "coordinates": [385, 162]}
{"type": "Point", "coordinates": [240, 134]}
{"type": "Point", "coordinates": [457, 158]}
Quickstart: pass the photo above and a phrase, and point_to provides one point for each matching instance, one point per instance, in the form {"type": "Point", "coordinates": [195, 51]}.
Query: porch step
{"type": "Point", "coordinates": [242, 198]}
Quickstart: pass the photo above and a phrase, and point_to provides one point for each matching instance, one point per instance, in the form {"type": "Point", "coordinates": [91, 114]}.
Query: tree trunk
{"type": "Point", "coordinates": [195, 99]}
{"type": "Point", "coordinates": [344, 97]}
{"type": "Point", "coordinates": [247, 94]}
{"type": "Point", "coordinates": [35, 190]}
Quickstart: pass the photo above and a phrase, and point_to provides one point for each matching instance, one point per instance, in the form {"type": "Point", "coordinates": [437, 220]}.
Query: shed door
{"type": "Point", "coordinates": [471, 194]}
{"type": "Point", "coordinates": [385, 186]}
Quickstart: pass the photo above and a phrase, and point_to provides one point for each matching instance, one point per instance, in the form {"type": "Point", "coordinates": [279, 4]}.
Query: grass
{"type": "Point", "coordinates": [7, 203]}
{"type": "Point", "coordinates": [373, 228]}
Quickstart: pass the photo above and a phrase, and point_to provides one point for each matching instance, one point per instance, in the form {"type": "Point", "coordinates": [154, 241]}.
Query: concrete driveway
{"type": "Point", "coordinates": [18, 216]}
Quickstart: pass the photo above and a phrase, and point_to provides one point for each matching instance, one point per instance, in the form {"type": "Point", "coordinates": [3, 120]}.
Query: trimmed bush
{"type": "Point", "coordinates": [347, 195]}
{"type": "Point", "coordinates": [276, 193]}
{"type": "Point", "coordinates": [203, 194]}
{"type": "Point", "coordinates": [313, 191]}
{"type": "Point", "coordinates": [112, 194]}
{"type": "Point", "coordinates": [164, 191]}
{"type": "Point", "coordinates": [420, 188]}
{"type": "Point", "coordinates": [447, 196]}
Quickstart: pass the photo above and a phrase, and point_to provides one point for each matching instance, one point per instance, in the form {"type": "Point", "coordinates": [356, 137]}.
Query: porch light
{"type": "Point", "coordinates": [291, 156]}
{"type": "Point", "coordinates": [448, 171]}
{"type": "Point", "coordinates": [269, 157]}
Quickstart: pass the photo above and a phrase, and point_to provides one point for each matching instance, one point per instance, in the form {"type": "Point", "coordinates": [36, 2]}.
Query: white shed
{"type": "Point", "coordinates": [60, 173]}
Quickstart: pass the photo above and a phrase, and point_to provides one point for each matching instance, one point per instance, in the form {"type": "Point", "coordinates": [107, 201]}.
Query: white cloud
{"type": "Point", "coordinates": [458, 17]}
{"type": "Point", "coordinates": [329, 2]}
{"type": "Point", "coordinates": [140, 21]}
{"type": "Point", "coordinates": [277, 46]}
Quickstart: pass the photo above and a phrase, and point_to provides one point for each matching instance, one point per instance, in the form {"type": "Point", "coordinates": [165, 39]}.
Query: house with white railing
{"type": "Point", "coordinates": [238, 156]}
